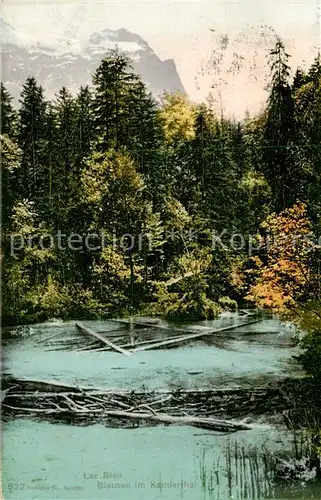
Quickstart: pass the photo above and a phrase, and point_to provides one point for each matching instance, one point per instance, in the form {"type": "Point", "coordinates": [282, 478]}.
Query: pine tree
{"type": "Point", "coordinates": [144, 133]}
{"type": "Point", "coordinates": [64, 174]}
{"type": "Point", "coordinates": [300, 78]}
{"type": "Point", "coordinates": [279, 128]}
{"type": "Point", "coordinates": [84, 130]}
{"type": "Point", "coordinates": [8, 116]}
{"type": "Point", "coordinates": [314, 73]}
{"type": "Point", "coordinates": [66, 116]}
{"type": "Point", "coordinates": [51, 157]}
{"type": "Point", "coordinates": [221, 187]}
{"type": "Point", "coordinates": [113, 103]}
{"type": "Point", "coordinates": [31, 139]}
{"type": "Point", "coordinates": [10, 161]}
{"type": "Point", "coordinates": [203, 142]}
{"type": "Point", "coordinates": [307, 100]}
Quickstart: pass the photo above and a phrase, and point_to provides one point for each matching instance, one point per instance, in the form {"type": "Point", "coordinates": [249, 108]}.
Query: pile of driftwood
{"type": "Point", "coordinates": [41, 398]}
{"type": "Point", "coordinates": [209, 409]}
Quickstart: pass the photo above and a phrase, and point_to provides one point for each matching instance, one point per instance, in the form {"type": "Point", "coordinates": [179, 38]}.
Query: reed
{"type": "Point", "coordinates": [240, 473]}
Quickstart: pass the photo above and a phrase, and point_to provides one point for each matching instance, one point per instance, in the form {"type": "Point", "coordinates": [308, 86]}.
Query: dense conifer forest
{"type": "Point", "coordinates": [115, 203]}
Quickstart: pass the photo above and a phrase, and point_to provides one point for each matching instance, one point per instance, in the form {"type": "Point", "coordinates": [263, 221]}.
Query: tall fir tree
{"type": "Point", "coordinates": [62, 178]}
{"type": "Point", "coordinates": [32, 140]}
{"type": "Point", "coordinates": [51, 156]}
{"type": "Point", "coordinates": [10, 161]}
{"type": "Point", "coordinates": [307, 99]}
{"type": "Point", "coordinates": [203, 142]}
{"type": "Point", "coordinates": [8, 115]}
{"type": "Point", "coordinates": [113, 103]}
{"type": "Point", "coordinates": [84, 129]}
{"type": "Point", "coordinates": [144, 133]}
{"type": "Point", "coordinates": [66, 118]}
{"type": "Point", "coordinates": [300, 78]}
{"type": "Point", "coordinates": [278, 133]}
{"type": "Point", "coordinates": [314, 73]}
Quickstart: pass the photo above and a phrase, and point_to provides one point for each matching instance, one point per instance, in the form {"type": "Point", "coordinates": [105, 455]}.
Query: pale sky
{"type": "Point", "coordinates": [181, 30]}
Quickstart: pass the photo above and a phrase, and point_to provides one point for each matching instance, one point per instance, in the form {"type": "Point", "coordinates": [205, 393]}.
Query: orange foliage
{"type": "Point", "coordinates": [285, 275]}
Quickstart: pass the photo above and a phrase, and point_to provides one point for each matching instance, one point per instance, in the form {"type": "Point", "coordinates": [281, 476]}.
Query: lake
{"type": "Point", "coordinates": [54, 461]}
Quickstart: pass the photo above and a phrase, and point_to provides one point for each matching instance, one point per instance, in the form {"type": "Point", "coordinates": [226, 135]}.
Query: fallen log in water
{"type": "Point", "coordinates": [205, 423]}
{"type": "Point", "coordinates": [84, 329]}
{"type": "Point", "coordinates": [49, 337]}
{"type": "Point", "coordinates": [31, 384]}
{"type": "Point", "coordinates": [156, 324]}
{"type": "Point", "coordinates": [39, 385]}
{"type": "Point", "coordinates": [123, 346]}
{"type": "Point", "coordinates": [141, 343]}
{"type": "Point", "coordinates": [192, 336]}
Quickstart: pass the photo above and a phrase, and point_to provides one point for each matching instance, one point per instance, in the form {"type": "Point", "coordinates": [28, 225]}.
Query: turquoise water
{"type": "Point", "coordinates": [50, 461]}
{"type": "Point", "coordinates": [257, 354]}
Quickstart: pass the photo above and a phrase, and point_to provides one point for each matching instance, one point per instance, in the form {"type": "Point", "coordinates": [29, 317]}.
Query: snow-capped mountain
{"type": "Point", "coordinates": [59, 61]}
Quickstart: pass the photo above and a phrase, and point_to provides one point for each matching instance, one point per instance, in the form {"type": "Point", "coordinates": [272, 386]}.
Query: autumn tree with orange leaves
{"type": "Point", "coordinates": [287, 270]}
{"type": "Point", "coordinates": [288, 277]}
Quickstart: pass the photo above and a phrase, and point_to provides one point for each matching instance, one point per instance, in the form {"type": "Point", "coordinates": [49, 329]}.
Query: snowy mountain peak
{"type": "Point", "coordinates": [130, 43]}
{"type": "Point", "coordinates": [57, 61]}
{"type": "Point", "coordinates": [114, 36]}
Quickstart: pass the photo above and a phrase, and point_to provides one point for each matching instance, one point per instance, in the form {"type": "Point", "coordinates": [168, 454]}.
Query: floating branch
{"type": "Point", "coordinates": [193, 336]}
{"type": "Point", "coordinates": [206, 423]}
{"type": "Point", "coordinates": [84, 329]}
{"type": "Point", "coordinates": [154, 323]}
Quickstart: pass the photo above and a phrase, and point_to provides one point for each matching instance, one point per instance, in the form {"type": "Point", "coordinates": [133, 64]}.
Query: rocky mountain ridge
{"type": "Point", "coordinates": [59, 61]}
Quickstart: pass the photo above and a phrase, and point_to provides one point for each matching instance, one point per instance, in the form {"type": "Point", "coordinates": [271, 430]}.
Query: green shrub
{"type": "Point", "coordinates": [311, 358]}
{"type": "Point", "coordinates": [228, 304]}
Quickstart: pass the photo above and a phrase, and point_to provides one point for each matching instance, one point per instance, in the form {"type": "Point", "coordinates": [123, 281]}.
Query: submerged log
{"type": "Point", "coordinates": [155, 324]}
{"type": "Point", "coordinates": [205, 423]}
{"type": "Point", "coordinates": [84, 329]}
{"type": "Point", "coordinates": [195, 421]}
{"type": "Point", "coordinates": [45, 385]}
{"type": "Point", "coordinates": [192, 336]}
